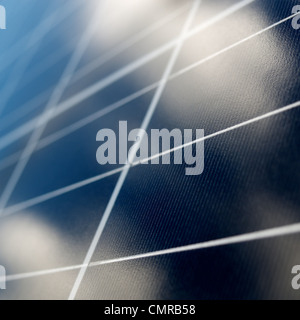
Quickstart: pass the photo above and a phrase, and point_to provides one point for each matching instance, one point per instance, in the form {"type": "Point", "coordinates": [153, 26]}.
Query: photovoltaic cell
{"type": "Point", "coordinates": [150, 232]}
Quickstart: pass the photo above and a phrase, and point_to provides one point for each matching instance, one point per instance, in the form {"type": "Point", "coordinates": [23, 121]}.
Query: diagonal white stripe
{"type": "Point", "coordinates": [51, 195]}
{"type": "Point", "coordinates": [197, 64]}
{"type": "Point", "coordinates": [247, 237]}
{"type": "Point", "coordinates": [237, 126]}
{"type": "Point", "coordinates": [243, 238]}
{"type": "Point", "coordinates": [125, 171]}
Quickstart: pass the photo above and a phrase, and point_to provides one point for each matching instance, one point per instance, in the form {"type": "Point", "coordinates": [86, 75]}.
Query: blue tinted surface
{"type": "Point", "coordinates": [236, 73]}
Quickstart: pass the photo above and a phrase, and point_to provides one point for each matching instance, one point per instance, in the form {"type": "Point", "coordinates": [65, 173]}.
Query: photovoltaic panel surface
{"type": "Point", "coordinates": [73, 229]}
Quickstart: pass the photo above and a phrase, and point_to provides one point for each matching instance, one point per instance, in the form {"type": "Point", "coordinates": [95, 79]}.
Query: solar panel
{"type": "Point", "coordinates": [71, 228]}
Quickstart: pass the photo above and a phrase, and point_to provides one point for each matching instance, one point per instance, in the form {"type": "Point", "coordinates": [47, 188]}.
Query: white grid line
{"type": "Point", "coordinates": [194, 65]}
{"type": "Point", "coordinates": [100, 85]}
{"type": "Point", "coordinates": [48, 196]}
{"type": "Point", "coordinates": [51, 195]}
{"type": "Point", "coordinates": [243, 238]}
{"type": "Point", "coordinates": [132, 153]}
{"type": "Point", "coordinates": [246, 237]}
{"type": "Point", "coordinates": [234, 127]}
